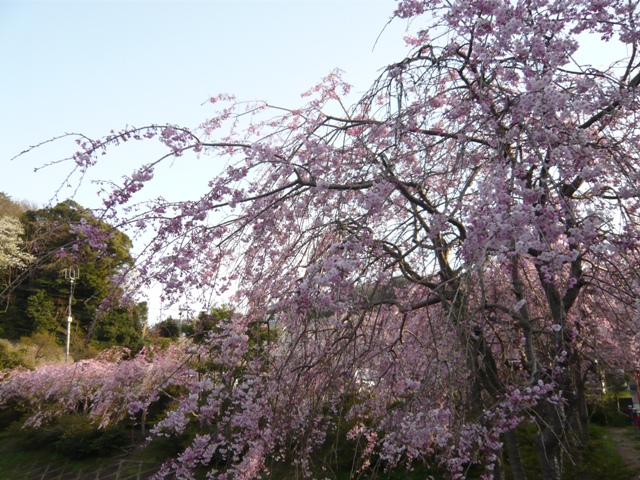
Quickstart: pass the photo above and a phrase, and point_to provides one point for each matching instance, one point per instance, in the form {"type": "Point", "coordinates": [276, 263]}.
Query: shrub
{"type": "Point", "coordinates": [11, 357]}
{"type": "Point", "coordinates": [79, 438]}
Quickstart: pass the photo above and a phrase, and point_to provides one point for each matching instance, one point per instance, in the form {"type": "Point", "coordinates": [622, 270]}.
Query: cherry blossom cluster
{"type": "Point", "coordinates": [452, 254]}
{"type": "Point", "coordinates": [108, 388]}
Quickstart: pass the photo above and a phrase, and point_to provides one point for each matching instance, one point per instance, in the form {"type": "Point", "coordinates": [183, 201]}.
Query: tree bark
{"type": "Point", "coordinates": [549, 441]}
{"type": "Point", "coordinates": [513, 452]}
{"type": "Point", "coordinates": [143, 421]}
{"type": "Point", "coordinates": [498, 467]}
{"type": "Point", "coordinates": [580, 418]}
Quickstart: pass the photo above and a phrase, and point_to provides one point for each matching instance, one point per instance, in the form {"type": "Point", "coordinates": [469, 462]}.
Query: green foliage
{"type": "Point", "coordinates": [41, 311]}
{"type": "Point", "coordinates": [167, 398]}
{"type": "Point", "coordinates": [599, 459]}
{"type": "Point", "coordinates": [161, 448]}
{"type": "Point", "coordinates": [81, 350]}
{"type": "Point", "coordinates": [10, 415]}
{"type": "Point", "coordinates": [617, 385]}
{"type": "Point", "coordinates": [196, 329]}
{"type": "Point", "coordinates": [596, 460]}
{"type": "Point", "coordinates": [170, 328]}
{"type": "Point", "coordinates": [121, 326]}
{"type": "Point", "coordinates": [42, 347]}
{"type": "Point", "coordinates": [79, 438]}
{"type": "Point", "coordinates": [605, 413]}
{"type": "Point", "coordinates": [31, 351]}
{"type": "Point", "coordinates": [336, 460]}
{"type": "Point", "coordinates": [61, 237]}
{"type": "Point", "coordinates": [11, 357]}
{"type": "Point", "coordinates": [73, 436]}
{"type": "Point", "coordinates": [34, 438]}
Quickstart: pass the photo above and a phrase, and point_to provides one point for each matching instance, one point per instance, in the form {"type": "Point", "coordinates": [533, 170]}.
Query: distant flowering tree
{"type": "Point", "coordinates": [451, 254]}
{"type": "Point", "coordinates": [12, 253]}
{"type": "Point", "coordinates": [14, 257]}
{"type": "Point", "coordinates": [108, 388]}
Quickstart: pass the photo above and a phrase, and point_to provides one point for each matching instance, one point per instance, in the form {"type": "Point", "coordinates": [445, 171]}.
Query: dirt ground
{"type": "Point", "coordinates": [627, 444]}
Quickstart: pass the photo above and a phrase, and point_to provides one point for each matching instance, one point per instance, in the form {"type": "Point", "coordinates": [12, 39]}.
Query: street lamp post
{"type": "Point", "coordinates": [71, 274]}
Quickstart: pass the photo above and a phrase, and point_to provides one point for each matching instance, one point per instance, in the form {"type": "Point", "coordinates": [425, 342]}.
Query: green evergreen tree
{"type": "Point", "coordinates": [42, 311]}
{"type": "Point", "coordinates": [60, 237]}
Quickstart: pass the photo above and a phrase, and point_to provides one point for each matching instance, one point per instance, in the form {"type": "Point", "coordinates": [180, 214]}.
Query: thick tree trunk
{"type": "Point", "coordinates": [550, 441]}
{"type": "Point", "coordinates": [550, 454]}
{"type": "Point", "coordinates": [513, 452]}
{"type": "Point", "coordinates": [582, 413]}
{"type": "Point", "coordinates": [577, 414]}
{"type": "Point", "coordinates": [483, 364]}
{"type": "Point", "coordinates": [486, 376]}
{"type": "Point", "coordinates": [498, 467]}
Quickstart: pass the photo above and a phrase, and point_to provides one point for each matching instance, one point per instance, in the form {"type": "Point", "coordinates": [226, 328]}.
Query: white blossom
{"type": "Point", "coordinates": [11, 253]}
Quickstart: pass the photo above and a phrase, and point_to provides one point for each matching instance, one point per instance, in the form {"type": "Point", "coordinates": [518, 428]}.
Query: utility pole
{"type": "Point", "coordinates": [71, 274]}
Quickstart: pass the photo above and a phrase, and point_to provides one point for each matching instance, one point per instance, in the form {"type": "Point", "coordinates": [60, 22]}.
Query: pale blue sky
{"type": "Point", "coordinates": [94, 66]}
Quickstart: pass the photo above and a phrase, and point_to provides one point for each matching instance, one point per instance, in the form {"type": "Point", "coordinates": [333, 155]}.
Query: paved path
{"type": "Point", "coordinates": [627, 447]}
